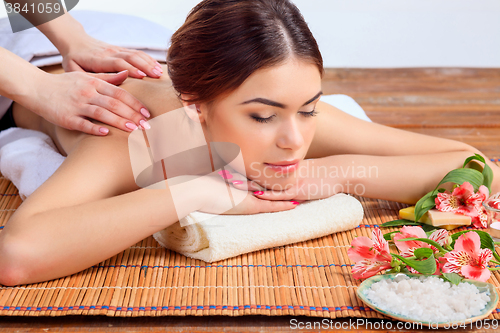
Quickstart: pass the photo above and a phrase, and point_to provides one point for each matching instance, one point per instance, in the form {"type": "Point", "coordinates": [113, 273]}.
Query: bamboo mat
{"type": "Point", "coordinates": [311, 278]}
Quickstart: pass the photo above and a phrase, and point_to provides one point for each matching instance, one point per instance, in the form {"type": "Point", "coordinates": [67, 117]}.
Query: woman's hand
{"type": "Point", "coordinates": [92, 55]}
{"type": "Point", "coordinates": [216, 199]}
{"type": "Point", "coordinates": [68, 99]}
{"type": "Point", "coordinates": [313, 181]}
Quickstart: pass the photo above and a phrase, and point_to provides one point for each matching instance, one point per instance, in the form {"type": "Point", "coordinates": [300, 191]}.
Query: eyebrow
{"type": "Point", "coordinates": [277, 104]}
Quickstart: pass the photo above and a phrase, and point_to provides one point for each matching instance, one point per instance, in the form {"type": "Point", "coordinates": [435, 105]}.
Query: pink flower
{"type": "Point", "coordinates": [464, 201]}
{"type": "Point", "coordinates": [370, 255]}
{"type": "Point", "coordinates": [367, 268]}
{"type": "Point", "coordinates": [440, 236]}
{"type": "Point", "coordinates": [468, 258]}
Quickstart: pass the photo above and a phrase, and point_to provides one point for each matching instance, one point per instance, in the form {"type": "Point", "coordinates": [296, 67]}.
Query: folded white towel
{"type": "Point", "coordinates": [226, 236]}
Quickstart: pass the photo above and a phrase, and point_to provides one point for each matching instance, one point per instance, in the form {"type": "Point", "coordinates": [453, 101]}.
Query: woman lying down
{"type": "Point", "coordinates": [252, 70]}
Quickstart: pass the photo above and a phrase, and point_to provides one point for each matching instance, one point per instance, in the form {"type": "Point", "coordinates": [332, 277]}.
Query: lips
{"type": "Point", "coordinates": [284, 163]}
{"type": "Point", "coordinates": [283, 166]}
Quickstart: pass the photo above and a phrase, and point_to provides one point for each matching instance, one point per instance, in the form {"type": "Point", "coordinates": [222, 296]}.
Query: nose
{"type": "Point", "coordinates": [290, 136]}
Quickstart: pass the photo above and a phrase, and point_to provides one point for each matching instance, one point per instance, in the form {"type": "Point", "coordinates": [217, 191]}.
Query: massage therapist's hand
{"type": "Point", "coordinates": [81, 52]}
{"type": "Point", "coordinates": [68, 99]}
{"type": "Point", "coordinates": [91, 55]}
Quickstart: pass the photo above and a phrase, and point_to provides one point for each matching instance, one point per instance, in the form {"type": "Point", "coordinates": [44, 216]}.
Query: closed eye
{"type": "Point", "coordinates": [309, 114]}
{"type": "Point", "coordinates": [268, 119]}
{"type": "Point", "coordinates": [263, 120]}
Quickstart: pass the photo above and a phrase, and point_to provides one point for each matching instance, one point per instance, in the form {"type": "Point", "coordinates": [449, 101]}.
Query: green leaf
{"type": "Point", "coordinates": [425, 240]}
{"type": "Point", "coordinates": [424, 204]}
{"type": "Point", "coordinates": [388, 237]}
{"type": "Point", "coordinates": [429, 228]}
{"type": "Point", "coordinates": [454, 278]}
{"type": "Point", "coordinates": [487, 172]}
{"type": "Point", "coordinates": [427, 266]}
{"type": "Point", "coordinates": [462, 175]}
{"type": "Point", "coordinates": [423, 252]}
{"type": "Point", "coordinates": [398, 223]}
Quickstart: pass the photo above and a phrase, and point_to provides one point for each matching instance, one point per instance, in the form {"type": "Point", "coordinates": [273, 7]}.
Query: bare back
{"type": "Point", "coordinates": [157, 94]}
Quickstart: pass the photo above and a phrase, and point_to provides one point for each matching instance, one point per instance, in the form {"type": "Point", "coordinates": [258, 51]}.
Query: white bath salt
{"type": "Point", "coordinates": [428, 298]}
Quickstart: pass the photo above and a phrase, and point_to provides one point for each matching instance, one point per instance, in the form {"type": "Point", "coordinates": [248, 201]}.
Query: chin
{"type": "Point", "coordinates": [276, 183]}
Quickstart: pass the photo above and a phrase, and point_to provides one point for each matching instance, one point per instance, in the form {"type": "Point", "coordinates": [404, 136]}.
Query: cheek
{"type": "Point", "coordinates": [252, 141]}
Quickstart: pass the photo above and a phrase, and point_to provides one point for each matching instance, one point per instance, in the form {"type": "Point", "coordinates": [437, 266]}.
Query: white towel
{"type": "Point", "coordinates": [28, 158]}
{"type": "Point", "coordinates": [226, 236]}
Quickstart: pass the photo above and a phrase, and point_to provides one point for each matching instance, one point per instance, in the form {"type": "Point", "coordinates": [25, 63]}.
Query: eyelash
{"type": "Point", "coordinates": [305, 114]}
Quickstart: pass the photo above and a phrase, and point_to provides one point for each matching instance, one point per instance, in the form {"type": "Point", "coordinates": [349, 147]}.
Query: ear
{"type": "Point", "coordinates": [192, 110]}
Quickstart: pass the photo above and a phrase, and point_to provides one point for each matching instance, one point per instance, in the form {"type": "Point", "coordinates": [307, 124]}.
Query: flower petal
{"type": "Point", "coordinates": [476, 273]}
{"type": "Point", "coordinates": [440, 236]}
{"type": "Point", "coordinates": [361, 249]}
{"type": "Point", "coordinates": [381, 246]}
{"type": "Point", "coordinates": [367, 268]}
{"type": "Point", "coordinates": [485, 255]}
{"type": "Point", "coordinates": [406, 232]}
{"type": "Point", "coordinates": [483, 190]}
{"type": "Point", "coordinates": [470, 243]}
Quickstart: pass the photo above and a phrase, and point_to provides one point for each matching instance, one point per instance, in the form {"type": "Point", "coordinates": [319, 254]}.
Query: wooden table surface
{"type": "Point", "coordinates": [457, 103]}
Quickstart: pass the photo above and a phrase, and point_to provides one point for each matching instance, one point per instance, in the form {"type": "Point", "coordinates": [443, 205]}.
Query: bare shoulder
{"type": "Point", "coordinates": [158, 95]}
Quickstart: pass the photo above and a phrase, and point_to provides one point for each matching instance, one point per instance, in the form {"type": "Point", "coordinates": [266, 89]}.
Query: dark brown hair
{"type": "Point", "coordinates": [222, 42]}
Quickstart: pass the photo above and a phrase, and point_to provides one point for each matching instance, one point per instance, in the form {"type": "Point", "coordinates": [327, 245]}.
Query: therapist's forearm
{"type": "Point", "coordinates": [62, 32]}
{"type": "Point", "coordinates": [18, 78]}
{"type": "Point", "coordinates": [402, 178]}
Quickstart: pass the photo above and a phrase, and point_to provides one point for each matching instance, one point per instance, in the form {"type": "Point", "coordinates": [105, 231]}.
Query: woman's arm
{"type": "Point", "coordinates": [401, 178]}
{"type": "Point", "coordinates": [91, 209]}
{"type": "Point", "coordinates": [404, 178]}
{"type": "Point", "coordinates": [338, 133]}
{"type": "Point", "coordinates": [83, 214]}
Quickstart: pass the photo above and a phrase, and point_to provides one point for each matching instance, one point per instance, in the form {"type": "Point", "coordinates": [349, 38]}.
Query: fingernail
{"type": "Point", "coordinates": [258, 192]}
{"type": "Point", "coordinates": [145, 113]}
{"type": "Point", "coordinates": [159, 69]}
{"type": "Point", "coordinates": [141, 73]}
{"type": "Point", "coordinates": [294, 202]}
{"type": "Point", "coordinates": [144, 124]}
{"type": "Point", "coordinates": [237, 182]}
{"type": "Point", "coordinates": [156, 72]}
{"type": "Point", "coordinates": [123, 71]}
{"type": "Point", "coordinates": [103, 130]}
{"type": "Point", "coordinates": [158, 64]}
{"type": "Point", "coordinates": [131, 126]}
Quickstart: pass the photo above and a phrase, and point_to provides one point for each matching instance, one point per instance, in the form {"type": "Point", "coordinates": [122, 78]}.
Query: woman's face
{"type": "Point", "coordinates": [271, 118]}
